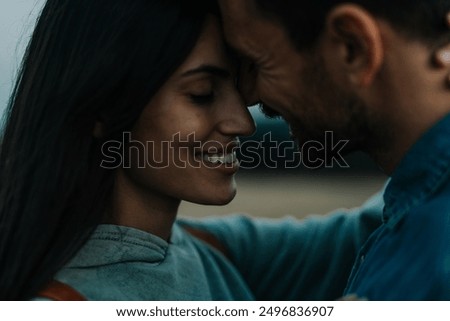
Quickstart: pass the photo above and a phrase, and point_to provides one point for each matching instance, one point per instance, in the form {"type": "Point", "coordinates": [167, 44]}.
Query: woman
{"type": "Point", "coordinates": [93, 71]}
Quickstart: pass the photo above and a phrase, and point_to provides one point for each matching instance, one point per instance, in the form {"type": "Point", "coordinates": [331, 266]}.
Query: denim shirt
{"type": "Point", "coordinates": [408, 257]}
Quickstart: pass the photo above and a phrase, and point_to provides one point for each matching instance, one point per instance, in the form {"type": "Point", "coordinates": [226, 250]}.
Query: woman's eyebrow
{"type": "Point", "coordinates": [208, 69]}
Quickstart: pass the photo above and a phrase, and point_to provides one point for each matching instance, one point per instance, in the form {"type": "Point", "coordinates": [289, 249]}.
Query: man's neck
{"type": "Point", "coordinates": [409, 96]}
{"type": "Point", "coordinates": [401, 135]}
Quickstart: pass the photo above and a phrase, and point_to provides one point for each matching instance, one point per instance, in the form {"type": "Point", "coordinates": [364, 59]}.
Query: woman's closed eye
{"type": "Point", "coordinates": [202, 98]}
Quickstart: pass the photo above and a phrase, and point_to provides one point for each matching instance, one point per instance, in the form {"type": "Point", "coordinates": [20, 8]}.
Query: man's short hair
{"type": "Point", "coordinates": [304, 20]}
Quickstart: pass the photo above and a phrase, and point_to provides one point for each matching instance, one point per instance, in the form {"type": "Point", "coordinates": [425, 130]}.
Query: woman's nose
{"type": "Point", "coordinates": [237, 120]}
{"type": "Point", "coordinates": [248, 123]}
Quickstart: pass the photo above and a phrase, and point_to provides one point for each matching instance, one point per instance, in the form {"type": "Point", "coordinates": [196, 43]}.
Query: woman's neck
{"type": "Point", "coordinates": [139, 207]}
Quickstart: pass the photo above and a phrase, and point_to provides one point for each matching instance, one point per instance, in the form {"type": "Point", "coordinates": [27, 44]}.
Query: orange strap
{"type": "Point", "coordinates": [58, 291]}
{"type": "Point", "coordinates": [209, 239]}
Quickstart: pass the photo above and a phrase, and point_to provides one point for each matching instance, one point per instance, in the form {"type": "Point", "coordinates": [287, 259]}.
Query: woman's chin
{"type": "Point", "coordinates": [216, 200]}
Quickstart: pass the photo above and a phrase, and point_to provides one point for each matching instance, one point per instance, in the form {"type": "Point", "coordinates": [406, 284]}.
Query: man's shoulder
{"type": "Point", "coordinates": [409, 260]}
{"type": "Point", "coordinates": [435, 209]}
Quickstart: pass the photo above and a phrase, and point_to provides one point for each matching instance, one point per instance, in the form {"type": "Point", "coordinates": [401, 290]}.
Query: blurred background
{"type": "Point", "coordinates": [266, 188]}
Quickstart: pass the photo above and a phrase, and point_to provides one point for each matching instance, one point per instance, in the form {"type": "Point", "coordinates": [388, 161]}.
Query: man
{"type": "Point", "coordinates": [366, 70]}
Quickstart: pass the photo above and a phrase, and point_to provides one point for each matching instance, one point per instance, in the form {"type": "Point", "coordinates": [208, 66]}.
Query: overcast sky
{"type": "Point", "coordinates": [17, 18]}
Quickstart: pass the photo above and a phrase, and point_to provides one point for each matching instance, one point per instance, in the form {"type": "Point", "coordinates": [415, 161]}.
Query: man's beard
{"type": "Point", "coordinates": [326, 106]}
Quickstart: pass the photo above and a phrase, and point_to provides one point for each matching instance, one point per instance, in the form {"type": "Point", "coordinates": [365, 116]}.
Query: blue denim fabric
{"type": "Point", "coordinates": [408, 257]}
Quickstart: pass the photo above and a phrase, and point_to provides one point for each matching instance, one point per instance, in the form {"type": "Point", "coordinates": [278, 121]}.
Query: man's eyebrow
{"type": "Point", "coordinates": [208, 69]}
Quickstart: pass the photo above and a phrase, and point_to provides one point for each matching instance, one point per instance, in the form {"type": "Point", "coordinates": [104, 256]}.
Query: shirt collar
{"type": "Point", "coordinates": [421, 172]}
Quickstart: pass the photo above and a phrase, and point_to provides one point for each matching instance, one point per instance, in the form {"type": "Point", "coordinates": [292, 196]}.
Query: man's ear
{"type": "Point", "coordinates": [442, 58]}
{"type": "Point", "coordinates": [356, 43]}
{"type": "Point", "coordinates": [442, 55]}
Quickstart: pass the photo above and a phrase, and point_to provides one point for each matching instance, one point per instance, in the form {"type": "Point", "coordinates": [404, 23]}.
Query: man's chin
{"type": "Point", "coordinates": [319, 145]}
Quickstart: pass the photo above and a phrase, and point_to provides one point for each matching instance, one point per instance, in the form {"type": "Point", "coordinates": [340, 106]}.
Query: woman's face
{"type": "Point", "coordinates": [191, 127]}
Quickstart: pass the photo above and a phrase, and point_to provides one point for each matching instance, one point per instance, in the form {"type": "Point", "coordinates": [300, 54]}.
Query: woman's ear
{"type": "Point", "coordinates": [99, 129]}
{"type": "Point", "coordinates": [356, 43]}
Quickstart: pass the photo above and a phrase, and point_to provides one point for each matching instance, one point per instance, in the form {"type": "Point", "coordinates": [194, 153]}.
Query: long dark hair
{"type": "Point", "coordinates": [88, 61]}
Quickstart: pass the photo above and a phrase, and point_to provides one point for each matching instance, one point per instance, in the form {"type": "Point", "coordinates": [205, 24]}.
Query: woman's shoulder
{"type": "Point", "coordinates": [121, 264]}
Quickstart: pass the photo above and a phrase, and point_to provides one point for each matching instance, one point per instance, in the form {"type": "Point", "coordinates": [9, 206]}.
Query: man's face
{"type": "Point", "coordinates": [295, 84]}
